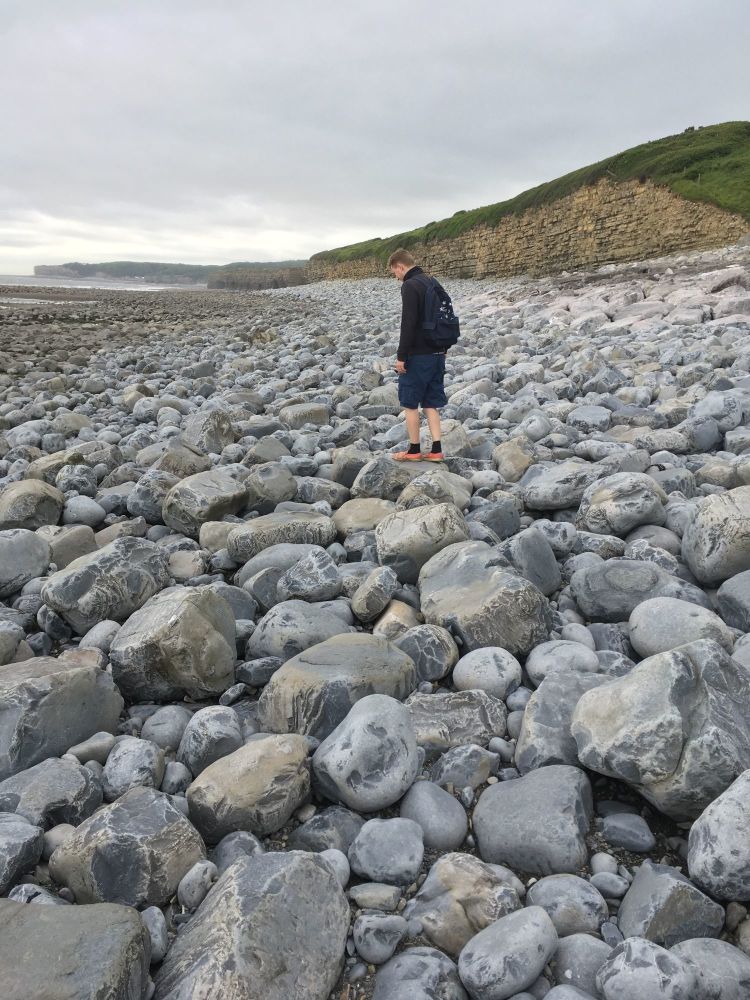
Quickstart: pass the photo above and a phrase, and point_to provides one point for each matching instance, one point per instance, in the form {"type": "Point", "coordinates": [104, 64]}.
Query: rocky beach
{"type": "Point", "coordinates": [283, 718]}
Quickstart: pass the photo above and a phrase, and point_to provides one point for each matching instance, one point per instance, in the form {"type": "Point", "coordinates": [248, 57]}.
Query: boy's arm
{"type": "Point", "coordinates": [409, 319]}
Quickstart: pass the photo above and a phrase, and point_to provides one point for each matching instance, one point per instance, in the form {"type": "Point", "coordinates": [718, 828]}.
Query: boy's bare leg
{"type": "Point", "coordinates": [412, 425]}
{"type": "Point", "coordinates": [433, 422]}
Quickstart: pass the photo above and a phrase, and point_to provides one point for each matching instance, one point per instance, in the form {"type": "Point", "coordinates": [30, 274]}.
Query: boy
{"type": "Point", "coordinates": [421, 369]}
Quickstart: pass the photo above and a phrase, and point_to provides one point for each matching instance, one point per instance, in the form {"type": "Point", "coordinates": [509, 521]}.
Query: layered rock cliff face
{"type": "Point", "coordinates": [603, 223]}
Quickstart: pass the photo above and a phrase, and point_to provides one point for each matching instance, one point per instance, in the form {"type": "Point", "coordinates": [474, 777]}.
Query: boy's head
{"type": "Point", "coordinates": [400, 262]}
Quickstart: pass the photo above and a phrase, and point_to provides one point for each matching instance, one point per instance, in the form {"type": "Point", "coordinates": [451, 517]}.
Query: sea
{"type": "Point", "coordinates": [35, 281]}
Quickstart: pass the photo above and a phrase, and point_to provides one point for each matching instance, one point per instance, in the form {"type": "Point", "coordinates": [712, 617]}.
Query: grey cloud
{"type": "Point", "coordinates": [268, 130]}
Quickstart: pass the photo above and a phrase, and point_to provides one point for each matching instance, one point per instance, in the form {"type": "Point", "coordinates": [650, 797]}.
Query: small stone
{"type": "Point", "coordinates": [377, 935]}
{"type": "Point", "coordinates": [388, 850]}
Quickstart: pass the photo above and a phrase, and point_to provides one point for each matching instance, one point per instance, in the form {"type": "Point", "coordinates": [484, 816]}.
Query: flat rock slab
{"type": "Point", "coordinates": [111, 583]}
{"type": "Point", "coordinates": [62, 702]}
{"type": "Point", "coordinates": [273, 926]}
{"type": "Point", "coordinates": [464, 590]}
{"type": "Point", "coordinates": [313, 692]}
{"type": "Point", "coordinates": [73, 952]}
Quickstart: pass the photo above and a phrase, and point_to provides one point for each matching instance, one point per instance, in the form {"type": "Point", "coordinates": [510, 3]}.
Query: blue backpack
{"type": "Point", "coordinates": [440, 323]}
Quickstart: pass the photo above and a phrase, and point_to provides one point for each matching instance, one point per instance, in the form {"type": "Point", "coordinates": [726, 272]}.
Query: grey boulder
{"type": "Point", "coordinates": [419, 974]}
{"type": "Point", "coordinates": [134, 851]}
{"type": "Point", "coordinates": [51, 792]}
{"type": "Point", "coordinates": [297, 527]}
{"type": "Point", "coordinates": [273, 926]}
{"type": "Point", "coordinates": [465, 591]}
{"type": "Point", "coordinates": [722, 971]}
{"type": "Point", "coordinates": [61, 701]}
{"type": "Point", "coordinates": [407, 539]}
{"type": "Point", "coordinates": [24, 555]}
{"type": "Point", "coordinates": [545, 736]}
{"type": "Point", "coordinates": [73, 952]}
{"type": "Point", "coordinates": [676, 728]}
{"type": "Point", "coordinates": [370, 759]}
{"type": "Point", "coordinates": [313, 692]}
{"type": "Point", "coordinates": [180, 642]}
{"type": "Point", "coordinates": [718, 845]}
{"type": "Point", "coordinates": [637, 969]}
{"type": "Point", "coordinates": [663, 906]}
{"type": "Point", "coordinates": [377, 935]}
{"type": "Point", "coordinates": [574, 905]}
{"type": "Point", "coordinates": [609, 591]}
{"type": "Point", "coordinates": [490, 669]}
{"type": "Point", "coordinates": [388, 850]}
{"type": "Point", "coordinates": [441, 816]}
{"type": "Point", "coordinates": [460, 897]}
{"type": "Point", "coordinates": [452, 718]}
{"type": "Point", "coordinates": [211, 733]}
{"type": "Point", "coordinates": [663, 623]}
{"type": "Point", "coordinates": [203, 497]}
{"type": "Point", "coordinates": [431, 647]}
{"type": "Point", "coordinates": [111, 583]}
{"type": "Point", "coordinates": [21, 845]}
{"type": "Point", "coordinates": [617, 504]}
{"type": "Point", "coordinates": [132, 763]}
{"type": "Point", "coordinates": [291, 627]}
{"type": "Point", "coordinates": [29, 504]}
{"type": "Point", "coordinates": [716, 542]}
{"type": "Point", "coordinates": [509, 955]}
{"type": "Point", "coordinates": [537, 823]}
{"type": "Point", "coordinates": [256, 788]}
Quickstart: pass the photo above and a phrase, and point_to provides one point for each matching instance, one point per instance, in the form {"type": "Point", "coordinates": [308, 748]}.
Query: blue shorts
{"type": "Point", "coordinates": [423, 382]}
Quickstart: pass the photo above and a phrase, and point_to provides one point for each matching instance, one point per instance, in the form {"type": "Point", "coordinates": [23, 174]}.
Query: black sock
{"type": "Point", "coordinates": [437, 448]}
{"type": "Point", "coordinates": [414, 449]}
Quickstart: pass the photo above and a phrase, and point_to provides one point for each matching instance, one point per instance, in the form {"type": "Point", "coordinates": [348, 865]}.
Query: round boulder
{"type": "Point", "coordinates": [371, 758]}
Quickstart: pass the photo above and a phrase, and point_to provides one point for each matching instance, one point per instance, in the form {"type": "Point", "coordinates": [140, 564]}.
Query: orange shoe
{"type": "Point", "coordinates": [435, 456]}
{"type": "Point", "coordinates": [405, 456]}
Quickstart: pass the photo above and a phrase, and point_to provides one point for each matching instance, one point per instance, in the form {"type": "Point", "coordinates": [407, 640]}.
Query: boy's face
{"type": "Point", "coordinates": [399, 270]}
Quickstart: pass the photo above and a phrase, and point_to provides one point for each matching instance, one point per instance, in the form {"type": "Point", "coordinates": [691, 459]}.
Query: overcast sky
{"type": "Point", "coordinates": [201, 132]}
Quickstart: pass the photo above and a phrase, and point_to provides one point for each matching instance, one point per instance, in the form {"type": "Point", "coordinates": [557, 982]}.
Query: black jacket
{"type": "Point", "coordinates": [412, 339]}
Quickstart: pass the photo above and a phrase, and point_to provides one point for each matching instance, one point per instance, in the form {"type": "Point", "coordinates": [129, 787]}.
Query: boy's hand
{"type": "Point", "coordinates": [401, 367]}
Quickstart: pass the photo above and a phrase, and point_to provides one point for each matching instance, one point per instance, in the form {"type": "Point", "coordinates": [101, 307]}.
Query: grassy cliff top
{"type": "Point", "coordinates": [710, 164]}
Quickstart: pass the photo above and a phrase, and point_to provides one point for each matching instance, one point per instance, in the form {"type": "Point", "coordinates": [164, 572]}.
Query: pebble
{"type": "Point", "coordinates": [202, 510]}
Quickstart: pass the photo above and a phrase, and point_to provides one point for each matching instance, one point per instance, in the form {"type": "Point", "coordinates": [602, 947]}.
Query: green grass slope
{"type": "Point", "coordinates": [710, 164]}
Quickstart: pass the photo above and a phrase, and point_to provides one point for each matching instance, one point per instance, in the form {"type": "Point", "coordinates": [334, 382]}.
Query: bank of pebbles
{"type": "Point", "coordinates": [281, 717]}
